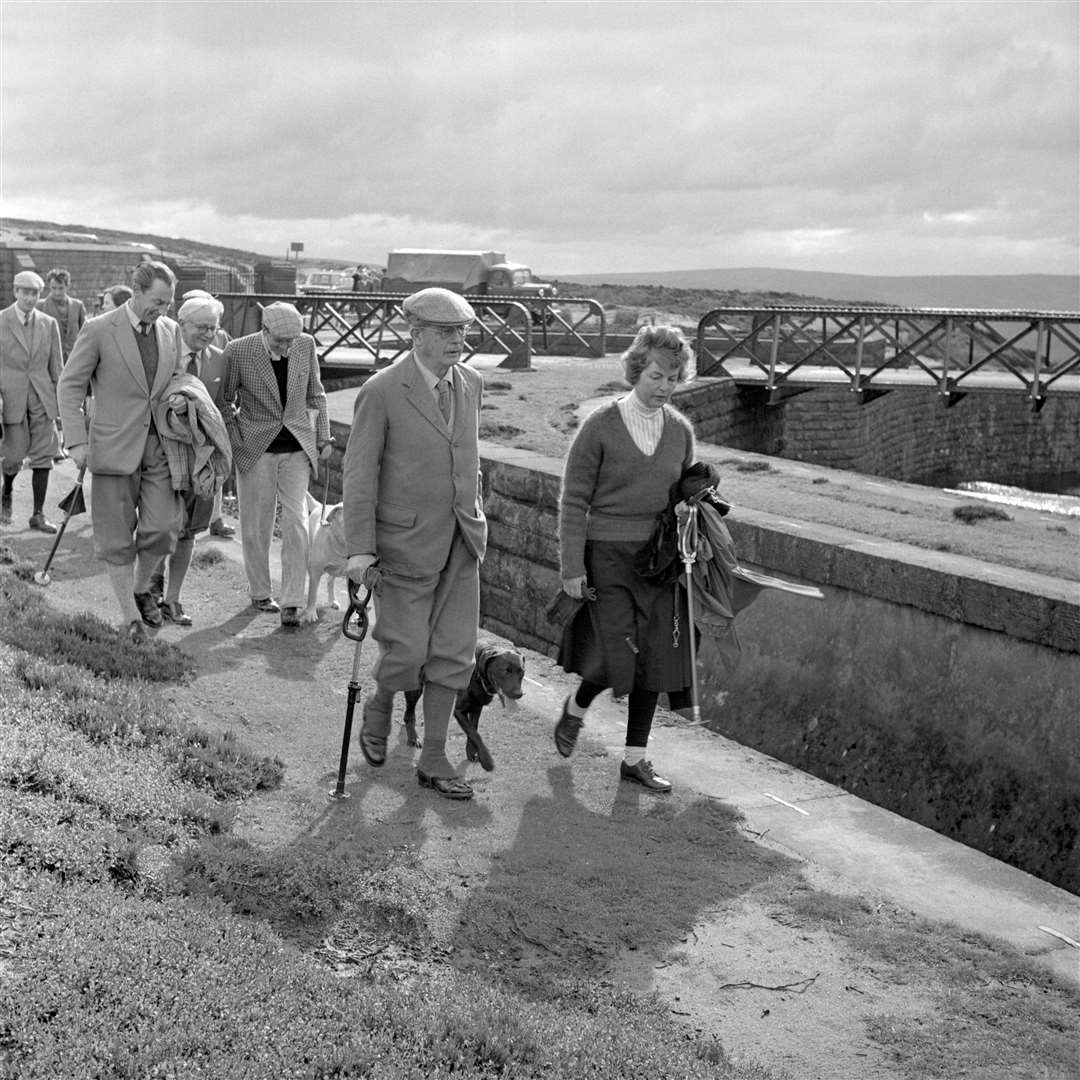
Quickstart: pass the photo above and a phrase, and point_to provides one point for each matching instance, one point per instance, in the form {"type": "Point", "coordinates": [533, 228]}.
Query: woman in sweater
{"type": "Point", "coordinates": [632, 635]}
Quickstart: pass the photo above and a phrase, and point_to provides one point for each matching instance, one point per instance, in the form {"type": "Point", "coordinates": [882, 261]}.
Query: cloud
{"type": "Point", "coordinates": [691, 130]}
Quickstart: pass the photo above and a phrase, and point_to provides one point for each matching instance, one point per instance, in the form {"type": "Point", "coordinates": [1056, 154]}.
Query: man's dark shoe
{"type": "Point", "coordinates": [173, 612]}
{"type": "Point", "coordinates": [566, 731]}
{"type": "Point", "coordinates": [135, 631]}
{"type": "Point", "coordinates": [449, 787]}
{"type": "Point", "coordinates": [374, 732]}
{"type": "Point", "coordinates": [290, 616]}
{"type": "Point", "coordinates": [219, 528]}
{"type": "Point", "coordinates": [643, 773]}
{"type": "Point", "coordinates": [267, 604]}
{"type": "Point", "coordinates": [39, 524]}
{"type": "Point", "coordinates": [148, 609]}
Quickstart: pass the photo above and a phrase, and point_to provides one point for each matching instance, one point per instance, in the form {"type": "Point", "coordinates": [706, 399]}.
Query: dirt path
{"type": "Point", "coordinates": [555, 869]}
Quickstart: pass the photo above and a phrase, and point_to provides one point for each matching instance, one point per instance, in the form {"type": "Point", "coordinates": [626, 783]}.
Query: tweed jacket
{"type": "Point", "coordinates": [408, 480]}
{"type": "Point", "coordinates": [193, 436]}
{"type": "Point", "coordinates": [75, 320]}
{"type": "Point", "coordinates": [106, 362]}
{"type": "Point", "coordinates": [28, 360]}
{"type": "Point", "coordinates": [250, 384]}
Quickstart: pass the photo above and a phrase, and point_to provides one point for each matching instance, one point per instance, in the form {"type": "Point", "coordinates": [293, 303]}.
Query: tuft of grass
{"type": "Point", "coordinates": [754, 467]}
{"type": "Point", "coordinates": [206, 557]}
{"type": "Point", "coordinates": [83, 639]}
{"type": "Point", "coordinates": [494, 430]}
{"type": "Point", "coordinates": [974, 512]}
{"type": "Point", "coordinates": [820, 480]}
{"type": "Point", "coordinates": [498, 384]}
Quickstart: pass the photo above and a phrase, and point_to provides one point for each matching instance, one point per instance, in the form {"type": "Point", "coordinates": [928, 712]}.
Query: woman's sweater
{"type": "Point", "coordinates": [610, 489]}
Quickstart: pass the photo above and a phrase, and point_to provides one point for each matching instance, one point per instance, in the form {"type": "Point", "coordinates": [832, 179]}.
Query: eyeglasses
{"type": "Point", "coordinates": [204, 328]}
{"type": "Point", "coordinates": [444, 331]}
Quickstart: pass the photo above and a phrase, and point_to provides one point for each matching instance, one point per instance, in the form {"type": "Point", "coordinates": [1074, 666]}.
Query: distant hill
{"type": "Point", "coordinates": [1036, 292]}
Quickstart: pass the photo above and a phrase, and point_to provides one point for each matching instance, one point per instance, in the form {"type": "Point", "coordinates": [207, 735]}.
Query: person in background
{"type": "Point", "coordinates": [415, 528]}
{"type": "Point", "coordinates": [198, 319]}
{"type": "Point", "coordinates": [68, 311]}
{"type": "Point", "coordinates": [219, 527]}
{"type": "Point", "coordinates": [617, 478]}
{"type": "Point", "coordinates": [113, 297]}
{"type": "Point", "coordinates": [273, 379]}
{"type": "Point", "coordinates": [31, 359]}
{"type": "Point", "coordinates": [126, 358]}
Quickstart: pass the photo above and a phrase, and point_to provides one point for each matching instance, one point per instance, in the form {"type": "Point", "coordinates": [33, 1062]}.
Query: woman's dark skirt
{"type": "Point", "coordinates": [635, 633]}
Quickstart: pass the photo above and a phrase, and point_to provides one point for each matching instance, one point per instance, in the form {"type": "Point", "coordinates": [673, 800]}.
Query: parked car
{"type": "Point", "coordinates": [321, 281]}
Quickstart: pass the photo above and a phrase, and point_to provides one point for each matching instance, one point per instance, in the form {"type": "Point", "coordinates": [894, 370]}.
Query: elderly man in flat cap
{"type": "Point", "coordinates": [279, 433]}
{"type": "Point", "coordinates": [126, 359]}
{"type": "Point", "coordinates": [415, 527]}
{"type": "Point", "coordinates": [31, 359]}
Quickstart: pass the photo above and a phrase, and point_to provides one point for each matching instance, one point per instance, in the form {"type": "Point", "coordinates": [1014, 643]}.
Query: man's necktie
{"type": "Point", "coordinates": [193, 363]}
{"type": "Point", "coordinates": [144, 328]}
{"type": "Point", "coordinates": [444, 399]}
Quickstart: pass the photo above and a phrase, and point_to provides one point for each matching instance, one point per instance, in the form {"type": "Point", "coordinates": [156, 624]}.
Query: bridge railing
{"type": "Point", "coordinates": [370, 328]}
{"type": "Point", "coordinates": [880, 349]}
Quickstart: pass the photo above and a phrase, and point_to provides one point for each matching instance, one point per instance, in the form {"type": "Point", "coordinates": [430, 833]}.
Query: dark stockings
{"type": "Point", "coordinates": [39, 481]}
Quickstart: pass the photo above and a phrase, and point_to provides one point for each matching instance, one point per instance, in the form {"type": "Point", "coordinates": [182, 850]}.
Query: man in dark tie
{"type": "Point", "coordinates": [198, 319]}
{"type": "Point", "coordinates": [415, 527]}
{"type": "Point", "coordinates": [126, 358]}
{"type": "Point", "coordinates": [30, 364]}
{"type": "Point", "coordinates": [68, 311]}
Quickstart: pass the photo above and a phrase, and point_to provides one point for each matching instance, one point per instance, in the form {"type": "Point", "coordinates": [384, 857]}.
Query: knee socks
{"type": "Point", "coordinates": [438, 702]}
{"type": "Point", "coordinates": [39, 482]}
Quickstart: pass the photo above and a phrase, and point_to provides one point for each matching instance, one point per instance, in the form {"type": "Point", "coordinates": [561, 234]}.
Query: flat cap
{"type": "Point", "coordinates": [282, 320]}
{"type": "Point", "coordinates": [27, 279]}
{"type": "Point", "coordinates": [440, 307]}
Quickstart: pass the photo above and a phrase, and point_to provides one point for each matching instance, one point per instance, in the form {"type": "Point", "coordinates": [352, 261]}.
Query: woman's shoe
{"type": "Point", "coordinates": [450, 787]}
{"type": "Point", "coordinates": [566, 731]}
{"type": "Point", "coordinates": [643, 773]}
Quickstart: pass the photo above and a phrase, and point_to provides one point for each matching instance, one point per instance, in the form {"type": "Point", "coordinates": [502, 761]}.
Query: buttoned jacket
{"type": "Point", "coordinates": [28, 358]}
{"type": "Point", "coordinates": [409, 480]}
{"type": "Point", "coordinates": [211, 370]}
{"type": "Point", "coordinates": [250, 384]}
{"type": "Point", "coordinates": [76, 318]}
{"type": "Point", "coordinates": [106, 363]}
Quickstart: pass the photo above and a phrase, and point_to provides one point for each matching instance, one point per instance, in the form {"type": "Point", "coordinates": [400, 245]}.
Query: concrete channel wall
{"type": "Point", "coordinates": [938, 686]}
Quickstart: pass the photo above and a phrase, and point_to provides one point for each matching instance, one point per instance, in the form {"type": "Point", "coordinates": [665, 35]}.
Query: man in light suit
{"type": "Point", "coordinates": [415, 528]}
{"type": "Point", "coordinates": [198, 319]}
{"type": "Point", "coordinates": [30, 364]}
{"type": "Point", "coordinates": [126, 358]}
{"type": "Point", "coordinates": [68, 311]}
{"type": "Point", "coordinates": [279, 432]}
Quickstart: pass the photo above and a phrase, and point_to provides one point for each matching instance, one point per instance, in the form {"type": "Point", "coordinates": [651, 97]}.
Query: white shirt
{"type": "Point", "coordinates": [433, 381]}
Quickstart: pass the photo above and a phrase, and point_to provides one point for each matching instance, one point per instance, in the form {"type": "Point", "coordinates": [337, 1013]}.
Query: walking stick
{"type": "Point", "coordinates": [687, 539]}
{"type": "Point", "coordinates": [358, 611]}
{"type": "Point", "coordinates": [72, 503]}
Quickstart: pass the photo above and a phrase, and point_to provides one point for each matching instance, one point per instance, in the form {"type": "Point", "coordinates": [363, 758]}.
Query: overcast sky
{"type": "Point", "coordinates": [875, 138]}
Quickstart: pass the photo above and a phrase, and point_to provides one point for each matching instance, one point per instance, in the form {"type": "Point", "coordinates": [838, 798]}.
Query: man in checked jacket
{"type": "Point", "coordinates": [279, 433]}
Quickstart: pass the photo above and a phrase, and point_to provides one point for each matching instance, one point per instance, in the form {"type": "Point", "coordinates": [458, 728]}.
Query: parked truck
{"type": "Point", "coordinates": [484, 273]}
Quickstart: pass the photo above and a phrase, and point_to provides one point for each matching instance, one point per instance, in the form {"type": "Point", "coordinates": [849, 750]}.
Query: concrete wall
{"type": "Point", "coordinates": [906, 435]}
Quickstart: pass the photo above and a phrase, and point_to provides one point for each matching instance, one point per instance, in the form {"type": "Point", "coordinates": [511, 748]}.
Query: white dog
{"type": "Point", "coordinates": [326, 554]}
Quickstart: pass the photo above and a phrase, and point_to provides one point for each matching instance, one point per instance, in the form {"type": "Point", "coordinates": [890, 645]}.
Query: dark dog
{"type": "Point", "coordinates": [498, 671]}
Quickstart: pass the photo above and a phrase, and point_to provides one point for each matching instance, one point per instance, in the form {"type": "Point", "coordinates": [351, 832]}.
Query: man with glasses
{"type": "Point", "coordinates": [198, 318]}
{"type": "Point", "coordinates": [126, 359]}
{"type": "Point", "coordinates": [415, 527]}
{"type": "Point", "coordinates": [279, 432]}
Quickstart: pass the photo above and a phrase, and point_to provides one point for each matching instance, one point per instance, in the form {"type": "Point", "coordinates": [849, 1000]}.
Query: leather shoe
{"type": "Point", "coordinates": [135, 631]}
{"type": "Point", "coordinates": [450, 787]}
{"type": "Point", "coordinates": [39, 524]}
{"type": "Point", "coordinates": [173, 612]}
{"type": "Point", "coordinates": [148, 609]}
{"type": "Point", "coordinates": [372, 745]}
{"type": "Point", "coordinates": [267, 604]}
{"type": "Point", "coordinates": [219, 528]}
{"type": "Point", "coordinates": [566, 731]}
{"type": "Point", "coordinates": [290, 616]}
{"type": "Point", "coordinates": [643, 773]}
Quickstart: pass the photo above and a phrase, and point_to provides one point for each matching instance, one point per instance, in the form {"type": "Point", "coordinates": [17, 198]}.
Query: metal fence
{"type": "Point", "coordinates": [876, 350]}
{"type": "Point", "coordinates": [370, 328]}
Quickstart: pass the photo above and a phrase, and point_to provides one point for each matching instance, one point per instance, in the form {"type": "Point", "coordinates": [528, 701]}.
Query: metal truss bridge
{"type": "Point", "coordinates": [874, 350]}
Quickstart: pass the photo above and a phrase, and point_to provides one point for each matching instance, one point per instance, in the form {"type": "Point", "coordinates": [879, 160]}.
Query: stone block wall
{"type": "Point", "coordinates": [908, 435]}
{"type": "Point", "coordinates": [93, 268]}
